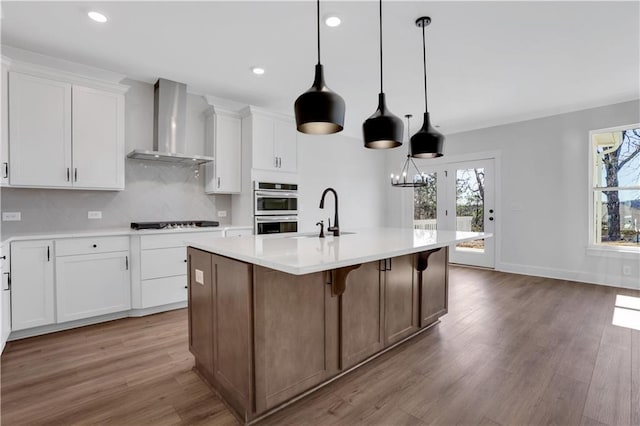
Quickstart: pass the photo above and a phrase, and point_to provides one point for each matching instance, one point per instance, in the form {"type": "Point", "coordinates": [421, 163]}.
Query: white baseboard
{"type": "Point", "coordinates": [52, 328]}
{"type": "Point", "coordinates": [609, 280]}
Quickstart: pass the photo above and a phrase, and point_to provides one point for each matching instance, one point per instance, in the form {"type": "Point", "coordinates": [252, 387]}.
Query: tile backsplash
{"type": "Point", "coordinates": [154, 191]}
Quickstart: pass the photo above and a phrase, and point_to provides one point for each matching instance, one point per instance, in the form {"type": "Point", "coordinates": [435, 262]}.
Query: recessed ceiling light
{"type": "Point", "coordinates": [332, 21]}
{"type": "Point", "coordinates": [257, 70]}
{"type": "Point", "coordinates": [97, 16]}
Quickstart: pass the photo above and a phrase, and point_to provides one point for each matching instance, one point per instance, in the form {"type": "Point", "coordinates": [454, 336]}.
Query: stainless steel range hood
{"type": "Point", "coordinates": [169, 126]}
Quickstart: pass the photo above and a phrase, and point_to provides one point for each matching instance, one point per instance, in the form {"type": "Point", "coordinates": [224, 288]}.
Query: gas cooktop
{"type": "Point", "coordinates": [178, 224]}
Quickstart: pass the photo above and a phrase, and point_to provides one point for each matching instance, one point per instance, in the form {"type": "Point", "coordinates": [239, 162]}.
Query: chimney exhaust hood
{"type": "Point", "coordinates": [169, 126]}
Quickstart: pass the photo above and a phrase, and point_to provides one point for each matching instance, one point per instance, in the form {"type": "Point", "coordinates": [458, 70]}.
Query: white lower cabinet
{"type": "Point", "coordinates": [159, 271]}
{"type": "Point", "coordinates": [32, 284]}
{"type": "Point", "coordinates": [92, 284]}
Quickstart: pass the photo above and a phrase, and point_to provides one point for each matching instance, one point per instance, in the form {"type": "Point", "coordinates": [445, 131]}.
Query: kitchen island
{"type": "Point", "coordinates": [271, 318]}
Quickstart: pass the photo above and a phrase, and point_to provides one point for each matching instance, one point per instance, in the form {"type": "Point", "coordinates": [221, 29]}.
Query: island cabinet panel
{"type": "Point", "coordinates": [295, 328]}
{"type": "Point", "coordinates": [434, 287]}
{"type": "Point", "coordinates": [402, 317]}
{"type": "Point", "coordinates": [232, 338]}
{"type": "Point", "coordinates": [200, 310]}
{"type": "Point", "coordinates": [362, 314]}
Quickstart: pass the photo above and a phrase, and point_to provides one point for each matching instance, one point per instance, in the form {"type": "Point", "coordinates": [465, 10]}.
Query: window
{"type": "Point", "coordinates": [615, 187]}
{"type": "Point", "coordinates": [425, 204]}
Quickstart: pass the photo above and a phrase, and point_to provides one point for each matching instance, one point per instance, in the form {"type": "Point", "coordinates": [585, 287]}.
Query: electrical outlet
{"type": "Point", "coordinates": [222, 213]}
{"type": "Point", "coordinates": [11, 216]}
{"type": "Point", "coordinates": [626, 270]}
{"type": "Point", "coordinates": [94, 215]}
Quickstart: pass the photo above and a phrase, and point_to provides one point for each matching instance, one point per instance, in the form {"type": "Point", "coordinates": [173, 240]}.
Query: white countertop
{"type": "Point", "coordinates": [118, 231]}
{"type": "Point", "coordinates": [300, 254]}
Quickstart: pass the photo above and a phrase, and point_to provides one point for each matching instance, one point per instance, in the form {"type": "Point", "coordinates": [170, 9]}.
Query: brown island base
{"type": "Point", "coordinates": [263, 338]}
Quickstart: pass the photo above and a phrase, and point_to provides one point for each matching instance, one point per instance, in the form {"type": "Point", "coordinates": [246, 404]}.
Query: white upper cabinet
{"type": "Point", "coordinates": [273, 140]}
{"type": "Point", "coordinates": [39, 131]}
{"type": "Point", "coordinates": [64, 135]}
{"type": "Point", "coordinates": [223, 134]}
{"type": "Point", "coordinates": [98, 139]}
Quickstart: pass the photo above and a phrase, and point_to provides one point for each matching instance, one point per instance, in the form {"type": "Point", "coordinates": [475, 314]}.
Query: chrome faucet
{"type": "Point", "coordinates": [336, 226]}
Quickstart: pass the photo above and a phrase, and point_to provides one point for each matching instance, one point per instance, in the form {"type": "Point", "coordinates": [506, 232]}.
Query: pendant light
{"type": "Point", "coordinates": [418, 178]}
{"type": "Point", "coordinates": [383, 129]}
{"type": "Point", "coordinates": [427, 142]}
{"type": "Point", "coordinates": [319, 111]}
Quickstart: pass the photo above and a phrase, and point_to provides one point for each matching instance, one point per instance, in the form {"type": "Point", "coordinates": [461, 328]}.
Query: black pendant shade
{"type": "Point", "coordinates": [319, 111]}
{"type": "Point", "coordinates": [427, 142]}
{"type": "Point", "coordinates": [383, 129]}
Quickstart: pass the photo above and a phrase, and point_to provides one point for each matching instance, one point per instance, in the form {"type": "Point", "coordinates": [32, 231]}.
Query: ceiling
{"type": "Point", "coordinates": [489, 63]}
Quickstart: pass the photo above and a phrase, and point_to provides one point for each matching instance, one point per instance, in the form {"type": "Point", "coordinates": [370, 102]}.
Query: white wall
{"type": "Point", "coordinates": [356, 173]}
{"type": "Point", "coordinates": [544, 192]}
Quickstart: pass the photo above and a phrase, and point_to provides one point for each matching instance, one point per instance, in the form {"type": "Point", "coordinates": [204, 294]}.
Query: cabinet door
{"type": "Point", "coordinates": [434, 287]}
{"type": "Point", "coordinates": [92, 284]}
{"type": "Point", "coordinates": [401, 299]}
{"type": "Point", "coordinates": [4, 128]}
{"type": "Point", "coordinates": [227, 154]}
{"type": "Point", "coordinates": [295, 327]}
{"type": "Point", "coordinates": [32, 301]}
{"type": "Point", "coordinates": [286, 143]}
{"type": "Point", "coordinates": [262, 135]}
{"type": "Point", "coordinates": [39, 131]}
{"type": "Point", "coordinates": [362, 314]}
{"type": "Point", "coordinates": [200, 310]}
{"type": "Point", "coordinates": [98, 139]}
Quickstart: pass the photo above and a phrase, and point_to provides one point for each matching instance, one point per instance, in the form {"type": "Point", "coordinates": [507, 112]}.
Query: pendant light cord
{"type": "Point", "coordinates": [424, 65]}
{"type": "Point", "coordinates": [318, 27]}
{"type": "Point", "coordinates": [381, 90]}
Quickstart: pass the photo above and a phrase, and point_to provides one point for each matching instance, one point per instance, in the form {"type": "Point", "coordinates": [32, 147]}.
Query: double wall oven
{"type": "Point", "coordinates": [275, 208]}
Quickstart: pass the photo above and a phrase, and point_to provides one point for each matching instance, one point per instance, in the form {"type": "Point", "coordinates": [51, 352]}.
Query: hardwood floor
{"type": "Point", "coordinates": [512, 350]}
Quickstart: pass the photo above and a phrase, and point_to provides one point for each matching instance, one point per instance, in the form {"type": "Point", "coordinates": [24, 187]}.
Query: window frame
{"type": "Point", "coordinates": [594, 248]}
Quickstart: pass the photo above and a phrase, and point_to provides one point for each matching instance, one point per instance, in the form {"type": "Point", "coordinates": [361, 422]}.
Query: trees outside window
{"type": "Point", "coordinates": [616, 186]}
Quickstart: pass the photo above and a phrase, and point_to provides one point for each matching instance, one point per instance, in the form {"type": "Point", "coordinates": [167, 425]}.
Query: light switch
{"type": "Point", "coordinates": [94, 215]}
{"type": "Point", "coordinates": [222, 213]}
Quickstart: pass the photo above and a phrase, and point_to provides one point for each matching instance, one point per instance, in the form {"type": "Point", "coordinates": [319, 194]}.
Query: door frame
{"type": "Point", "coordinates": [425, 164]}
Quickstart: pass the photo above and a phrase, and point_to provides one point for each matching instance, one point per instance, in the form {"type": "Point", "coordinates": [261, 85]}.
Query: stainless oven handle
{"type": "Point", "coordinates": [277, 219]}
{"type": "Point", "coordinates": [276, 194]}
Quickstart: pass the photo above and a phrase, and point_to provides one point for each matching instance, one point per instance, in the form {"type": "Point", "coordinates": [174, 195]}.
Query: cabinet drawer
{"type": "Point", "coordinates": [163, 291]}
{"type": "Point", "coordinates": [175, 240]}
{"type": "Point", "coordinates": [164, 262]}
{"type": "Point", "coordinates": [90, 245]}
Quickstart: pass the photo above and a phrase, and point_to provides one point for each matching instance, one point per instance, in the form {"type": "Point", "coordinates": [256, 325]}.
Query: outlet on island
{"type": "Point", "coordinates": [11, 216]}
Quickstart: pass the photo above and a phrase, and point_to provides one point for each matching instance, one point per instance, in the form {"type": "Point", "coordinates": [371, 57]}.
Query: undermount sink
{"type": "Point", "coordinates": [315, 235]}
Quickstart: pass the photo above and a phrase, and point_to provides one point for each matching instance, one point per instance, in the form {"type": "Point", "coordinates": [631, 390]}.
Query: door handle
{"type": "Point", "coordinates": [126, 262]}
{"type": "Point", "coordinates": [48, 254]}
{"type": "Point", "coordinates": [68, 174]}
{"type": "Point", "coordinates": [218, 182]}
{"type": "Point", "coordinates": [6, 170]}
{"type": "Point", "coordinates": [75, 174]}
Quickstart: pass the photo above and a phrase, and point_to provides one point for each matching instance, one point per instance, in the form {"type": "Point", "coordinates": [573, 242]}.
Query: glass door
{"type": "Point", "coordinates": [460, 197]}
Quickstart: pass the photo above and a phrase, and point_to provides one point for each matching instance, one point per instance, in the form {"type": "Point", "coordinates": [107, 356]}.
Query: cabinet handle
{"type": "Point", "coordinates": [6, 170]}
{"type": "Point", "coordinates": [185, 261]}
{"type": "Point", "coordinates": [68, 174]}
{"type": "Point", "coordinates": [279, 162]}
{"type": "Point", "coordinates": [126, 262]}
{"type": "Point", "coordinates": [95, 245]}
{"type": "Point", "coordinates": [218, 182]}
{"type": "Point", "coordinates": [48, 254]}
{"type": "Point", "coordinates": [75, 174]}
{"type": "Point", "coordinates": [275, 162]}
{"type": "Point", "coordinates": [390, 264]}
{"type": "Point", "coordinates": [186, 286]}
{"type": "Point", "coordinates": [8, 274]}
